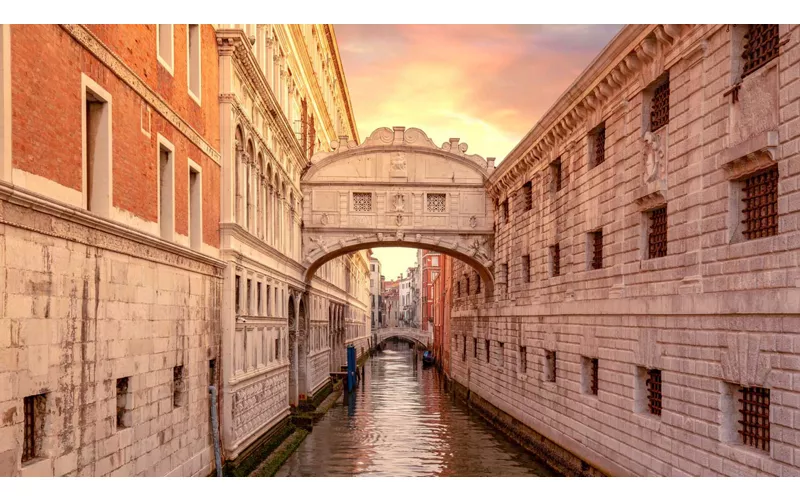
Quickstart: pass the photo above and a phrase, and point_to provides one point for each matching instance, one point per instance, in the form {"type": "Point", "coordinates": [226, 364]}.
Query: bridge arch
{"type": "Point", "coordinates": [398, 188]}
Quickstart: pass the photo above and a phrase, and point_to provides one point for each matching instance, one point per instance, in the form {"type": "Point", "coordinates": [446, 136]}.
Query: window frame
{"type": "Point", "coordinates": [196, 97]}
{"type": "Point", "coordinates": [168, 65]}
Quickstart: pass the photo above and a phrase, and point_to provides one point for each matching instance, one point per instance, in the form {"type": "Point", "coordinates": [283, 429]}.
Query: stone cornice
{"type": "Point", "coordinates": [91, 43]}
{"type": "Point", "coordinates": [80, 223]}
{"type": "Point", "coordinates": [337, 63]}
{"type": "Point", "coordinates": [633, 47]}
{"type": "Point", "coordinates": [233, 42]}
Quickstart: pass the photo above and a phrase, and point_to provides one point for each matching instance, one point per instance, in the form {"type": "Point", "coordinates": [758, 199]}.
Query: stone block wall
{"type": "Point", "coordinates": [714, 314]}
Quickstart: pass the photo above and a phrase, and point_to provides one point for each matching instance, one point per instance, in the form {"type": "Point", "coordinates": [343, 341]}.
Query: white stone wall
{"type": "Point", "coordinates": [82, 307]}
{"type": "Point", "coordinates": [714, 313]}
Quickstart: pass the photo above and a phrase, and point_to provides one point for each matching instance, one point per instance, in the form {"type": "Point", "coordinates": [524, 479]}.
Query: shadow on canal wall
{"type": "Point", "coordinates": [556, 457]}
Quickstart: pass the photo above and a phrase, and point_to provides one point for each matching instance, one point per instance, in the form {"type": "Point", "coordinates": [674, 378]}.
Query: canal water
{"type": "Point", "coordinates": [401, 422]}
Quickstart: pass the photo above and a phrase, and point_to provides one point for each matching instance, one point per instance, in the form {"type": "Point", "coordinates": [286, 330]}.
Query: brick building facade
{"type": "Point", "coordinates": [646, 262]}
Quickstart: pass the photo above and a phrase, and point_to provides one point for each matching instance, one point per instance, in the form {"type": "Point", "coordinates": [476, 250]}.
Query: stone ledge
{"type": "Point", "coordinates": [751, 154]}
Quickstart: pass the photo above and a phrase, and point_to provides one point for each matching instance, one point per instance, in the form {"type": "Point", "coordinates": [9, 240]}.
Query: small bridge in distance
{"type": "Point", "coordinates": [414, 335]}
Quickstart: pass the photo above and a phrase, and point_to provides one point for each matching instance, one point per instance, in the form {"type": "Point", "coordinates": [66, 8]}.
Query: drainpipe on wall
{"type": "Point", "coordinates": [215, 430]}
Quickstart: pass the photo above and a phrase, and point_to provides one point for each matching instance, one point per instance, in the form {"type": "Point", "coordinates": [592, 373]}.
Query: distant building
{"type": "Point", "coordinates": [430, 265]}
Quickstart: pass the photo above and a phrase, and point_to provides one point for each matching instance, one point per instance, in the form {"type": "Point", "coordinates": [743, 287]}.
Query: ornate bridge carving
{"type": "Point", "coordinates": [398, 189]}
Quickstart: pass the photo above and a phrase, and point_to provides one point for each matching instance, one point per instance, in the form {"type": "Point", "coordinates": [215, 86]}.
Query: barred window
{"type": "Point", "coordinates": [464, 351]}
{"type": "Point", "coordinates": [654, 391]}
{"type": "Point", "coordinates": [362, 202]}
{"type": "Point", "coordinates": [486, 345]}
{"type": "Point", "coordinates": [760, 200]}
{"type": "Point", "coordinates": [596, 241]}
{"type": "Point", "coordinates": [436, 202]}
{"type": "Point", "coordinates": [762, 44]}
{"type": "Point", "coordinates": [177, 386]}
{"type": "Point", "coordinates": [555, 258]}
{"type": "Point", "coordinates": [550, 365]}
{"type": "Point", "coordinates": [598, 142]}
{"type": "Point", "coordinates": [555, 172]}
{"type": "Point", "coordinates": [659, 108]}
{"type": "Point", "coordinates": [458, 288]}
{"type": "Point", "coordinates": [34, 409]}
{"type": "Point", "coordinates": [475, 348]}
{"type": "Point", "coordinates": [526, 268]}
{"type": "Point", "coordinates": [523, 359]}
{"type": "Point", "coordinates": [754, 411]}
{"type": "Point", "coordinates": [657, 237]}
{"type": "Point", "coordinates": [477, 283]}
{"type": "Point", "coordinates": [124, 403]}
{"type": "Point", "coordinates": [504, 272]}
{"type": "Point", "coordinates": [504, 211]}
{"type": "Point", "coordinates": [594, 376]}
{"type": "Point", "coordinates": [527, 194]}
{"type": "Point", "coordinates": [467, 278]}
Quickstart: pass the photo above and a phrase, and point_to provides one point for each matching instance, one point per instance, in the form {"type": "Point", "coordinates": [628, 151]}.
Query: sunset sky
{"type": "Point", "coordinates": [486, 84]}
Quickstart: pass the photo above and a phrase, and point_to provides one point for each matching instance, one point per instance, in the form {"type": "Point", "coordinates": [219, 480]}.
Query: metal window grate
{"type": "Point", "coordinates": [523, 354]}
{"type": "Point", "coordinates": [659, 113]}
{"type": "Point", "coordinates": [362, 202]}
{"type": "Point", "coordinates": [657, 239]}
{"type": "Point", "coordinates": [29, 438]}
{"type": "Point", "coordinates": [551, 366]}
{"type": "Point", "coordinates": [762, 43]}
{"type": "Point", "coordinates": [436, 202]}
{"type": "Point", "coordinates": [487, 347]}
{"type": "Point", "coordinates": [556, 170]}
{"type": "Point", "coordinates": [526, 268]}
{"type": "Point", "coordinates": [556, 253]}
{"type": "Point", "coordinates": [654, 391]}
{"type": "Point", "coordinates": [755, 417]}
{"type": "Point", "coordinates": [122, 397]}
{"type": "Point", "coordinates": [597, 249]}
{"type": "Point", "coordinates": [594, 378]}
{"type": "Point", "coordinates": [177, 386]}
{"type": "Point", "coordinates": [527, 193]}
{"type": "Point", "coordinates": [600, 145]}
{"type": "Point", "coordinates": [474, 348]}
{"type": "Point", "coordinates": [761, 204]}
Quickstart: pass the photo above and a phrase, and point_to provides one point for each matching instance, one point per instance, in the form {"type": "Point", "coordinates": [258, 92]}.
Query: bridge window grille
{"type": "Point", "coordinates": [34, 410]}
{"type": "Point", "coordinates": [657, 237]}
{"type": "Point", "coordinates": [550, 365]}
{"type": "Point", "coordinates": [659, 111]}
{"type": "Point", "coordinates": [598, 150]}
{"type": "Point", "coordinates": [555, 171]}
{"type": "Point", "coordinates": [362, 202]}
{"type": "Point", "coordinates": [527, 194]}
{"type": "Point", "coordinates": [487, 348]}
{"type": "Point", "coordinates": [437, 202]}
{"type": "Point", "coordinates": [555, 256]}
{"type": "Point", "coordinates": [754, 411]}
{"type": "Point", "coordinates": [523, 359]}
{"type": "Point", "coordinates": [526, 268]}
{"type": "Point", "coordinates": [654, 391]}
{"type": "Point", "coordinates": [762, 44]}
{"type": "Point", "coordinates": [760, 198]}
{"type": "Point", "coordinates": [597, 249]}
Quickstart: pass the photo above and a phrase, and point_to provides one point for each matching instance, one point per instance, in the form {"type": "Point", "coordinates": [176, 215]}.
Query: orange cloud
{"type": "Point", "coordinates": [485, 84]}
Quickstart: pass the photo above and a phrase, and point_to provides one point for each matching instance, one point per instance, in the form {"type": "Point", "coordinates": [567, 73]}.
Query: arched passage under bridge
{"type": "Point", "coordinates": [398, 188]}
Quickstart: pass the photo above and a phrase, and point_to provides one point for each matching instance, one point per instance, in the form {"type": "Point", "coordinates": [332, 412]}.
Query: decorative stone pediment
{"type": "Point", "coordinates": [743, 361]}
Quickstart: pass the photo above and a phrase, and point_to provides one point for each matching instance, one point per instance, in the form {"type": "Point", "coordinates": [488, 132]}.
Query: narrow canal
{"type": "Point", "coordinates": [401, 422]}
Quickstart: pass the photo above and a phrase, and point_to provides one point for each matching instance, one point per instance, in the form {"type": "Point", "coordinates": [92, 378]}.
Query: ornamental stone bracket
{"type": "Point", "coordinates": [751, 155]}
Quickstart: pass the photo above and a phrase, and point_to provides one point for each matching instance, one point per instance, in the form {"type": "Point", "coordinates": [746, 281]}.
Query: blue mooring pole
{"type": "Point", "coordinates": [351, 367]}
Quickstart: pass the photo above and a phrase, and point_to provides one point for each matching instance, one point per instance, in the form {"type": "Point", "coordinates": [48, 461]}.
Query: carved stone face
{"type": "Point", "coordinates": [398, 161]}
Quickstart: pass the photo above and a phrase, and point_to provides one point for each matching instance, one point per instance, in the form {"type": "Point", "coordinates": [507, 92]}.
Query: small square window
{"type": "Point", "coordinates": [34, 412]}
{"type": "Point", "coordinates": [657, 235]}
{"type": "Point", "coordinates": [437, 202]}
{"type": "Point", "coordinates": [760, 204]}
{"type": "Point", "coordinates": [362, 202]}
{"type": "Point", "coordinates": [648, 399]}
{"type": "Point", "coordinates": [550, 366]}
{"type": "Point", "coordinates": [659, 105]}
{"type": "Point", "coordinates": [597, 143]}
{"type": "Point", "coordinates": [761, 45]}
{"type": "Point", "coordinates": [555, 260]}
{"type": "Point", "coordinates": [589, 379]}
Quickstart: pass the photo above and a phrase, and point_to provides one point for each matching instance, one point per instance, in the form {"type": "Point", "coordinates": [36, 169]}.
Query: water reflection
{"type": "Point", "coordinates": [400, 422]}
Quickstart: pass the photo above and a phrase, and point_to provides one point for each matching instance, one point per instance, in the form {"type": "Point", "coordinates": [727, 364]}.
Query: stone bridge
{"type": "Point", "coordinates": [398, 189]}
{"type": "Point", "coordinates": [410, 334]}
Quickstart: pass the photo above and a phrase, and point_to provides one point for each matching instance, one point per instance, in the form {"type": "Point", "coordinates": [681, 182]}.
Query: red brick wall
{"type": "Point", "coordinates": [46, 67]}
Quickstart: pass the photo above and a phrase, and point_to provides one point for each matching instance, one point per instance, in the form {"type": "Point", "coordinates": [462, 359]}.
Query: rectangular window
{"type": "Point", "coordinates": [754, 414]}
{"type": "Point", "coordinates": [435, 261]}
{"type": "Point", "coordinates": [589, 379]}
{"type": "Point", "coordinates": [596, 248]}
{"type": "Point", "coordinates": [659, 106]}
{"type": "Point", "coordinates": [467, 284]}
{"type": "Point", "coordinates": [555, 174]}
{"type": "Point", "coordinates": [760, 204]}
{"type": "Point", "coordinates": [526, 268]}
{"type": "Point", "coordinates": [165, 46]}
{"type": "Point", "coordinates": [237, 293]}
{"type": "Point", "coordinates": [550, 366]}
{"type": "Point", "coordinates": [458, 288]}
{"type": "Point", "coordinates": [654, 391]}
{"type": "Point", "coordinates": [657, 236]}
{"type": "Point", "coordinates": [258, 298]}
{"type": "Point", "coordinates": [166, 193]}
{"type": "Point", "coordinates": [474, 347]}
{"type": "Point", "coordinates": [504, 273]}
{"type": "Point", "coordinates": [464, 351]}
{"type": "Point", "coordinates": [212, 372]}
{"type": "Point", "coordinates": [193, 61]}
{"type": "Point", "coordinates": [527, 196]}
{"type": "Point", "coordinates": [436, 202]}
{"type": "Point", "coordinates": [504, 212]}
{"type": "Point", "coordinates": [124, 403]}
{"type": "Point", "coordinates": [487, 348]}
{"type": "Point", "coordinates": [177, 386]}
{"type": "Point", "coordinates": [501, 348]}
{"type": "Point", "coordinates": [477, 283]}
{"type": "Point", "coordinates": [278, 347]}
{"type": "Point", "coordinates": [523, 360]}
{"type": "Point", "coordinates": [761, 45]}
{"type": "Point", "coordinates": [597, 152]}
{"type": "Point", "coordinates": [34, 410]}
{"type": "Point", "coordinates": [195, 210]}
{"type": "Point", "coordinates": [97, 148]}
{"type": "Point", "coordinates": [555, 260]}
{"type": "Point", "coordinates": [362, 202]}
{"type": "Point", "coordinates": [249, 300]}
